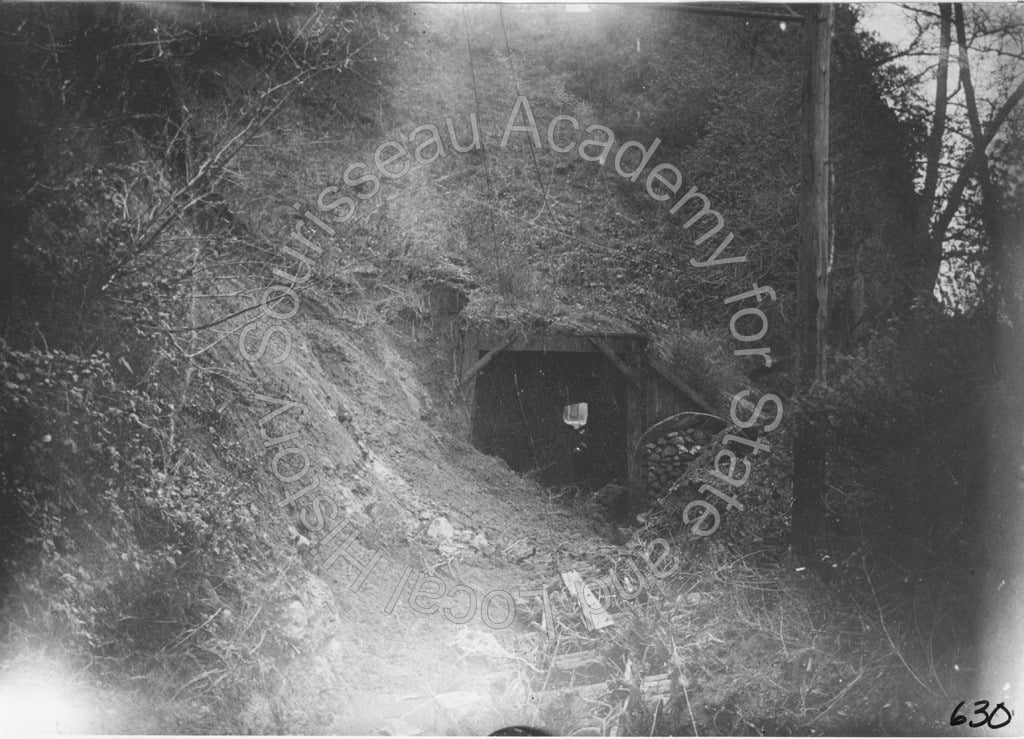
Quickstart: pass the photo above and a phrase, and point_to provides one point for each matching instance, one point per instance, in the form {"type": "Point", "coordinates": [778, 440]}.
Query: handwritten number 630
{"type": "Point", "coordinates": [987, 717]}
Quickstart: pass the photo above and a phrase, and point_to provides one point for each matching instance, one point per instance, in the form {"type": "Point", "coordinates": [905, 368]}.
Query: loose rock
{"type": "Point", "coordinates": [441, 530]}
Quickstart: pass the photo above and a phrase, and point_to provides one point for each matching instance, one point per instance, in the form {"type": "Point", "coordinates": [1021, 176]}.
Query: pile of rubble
{"type": "Point", "coordinates": [666, 458]}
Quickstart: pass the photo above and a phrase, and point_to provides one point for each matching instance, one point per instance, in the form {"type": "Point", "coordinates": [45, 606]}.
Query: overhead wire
{"type": "Point", "coordinates": [476, 99]}
{"type": "Point", "coordinates": [483, 142]}
{"type": "Point", "coordinates": [519, 94]}
{"type": "Point", "coordinates": [492, 208]}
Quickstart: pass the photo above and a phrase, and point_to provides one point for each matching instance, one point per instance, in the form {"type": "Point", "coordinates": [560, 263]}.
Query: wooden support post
{"type": "Point", "coordinates": [634, 418]}
{"type": "Point", "coordinates": [812, 271]}
{"type": "Point", "coordinates": [634, 430]}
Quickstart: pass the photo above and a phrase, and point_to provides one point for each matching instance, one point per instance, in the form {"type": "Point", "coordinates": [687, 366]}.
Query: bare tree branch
{"type": "Point", "coordinates": [977, 157]}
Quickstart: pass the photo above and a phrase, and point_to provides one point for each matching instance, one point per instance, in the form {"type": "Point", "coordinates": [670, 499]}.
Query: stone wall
{"type": "Point", "coordinates": [666, 457]}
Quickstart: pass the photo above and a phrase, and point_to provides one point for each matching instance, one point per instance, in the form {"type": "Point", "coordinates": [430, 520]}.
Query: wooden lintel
{"type": "Point", "coordinates": [663, 370]}
{"type": "Point", "coordinates": [614, 359]}
{"type": "Point", "coordinates": [485, 360]}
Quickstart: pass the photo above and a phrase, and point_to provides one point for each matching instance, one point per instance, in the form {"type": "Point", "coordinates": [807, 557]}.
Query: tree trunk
{"type": "Point", "coordinates": [921, 269]}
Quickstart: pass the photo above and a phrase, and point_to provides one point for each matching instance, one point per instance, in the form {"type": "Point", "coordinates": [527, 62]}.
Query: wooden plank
{"type": "Point", "coordinates": [591, 692]}
{"type": "Point", "coordinates": [552, 343]}
{"type": "Point", "coordinates": [576, 660]}
{"type": "Point", "coordinates": [655, 688]}
{"type": "Point", "coordinates": [615, 360]}
{"type": "Point", "coordinates": [670, 376]}
{"type": "Point", "coordinates": [562, 342]}
{"type": "Point", "coordinates": [485, 360]}
{"type": "Point", "coordinates": [569, 343]}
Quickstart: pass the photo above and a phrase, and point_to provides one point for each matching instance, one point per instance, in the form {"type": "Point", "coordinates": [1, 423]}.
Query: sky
{"type": "Point", "coordinates": [887, 20]}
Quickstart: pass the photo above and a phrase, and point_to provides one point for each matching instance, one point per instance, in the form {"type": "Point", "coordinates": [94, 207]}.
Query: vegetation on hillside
{"type": "Point", "coordinates": [156, 160]}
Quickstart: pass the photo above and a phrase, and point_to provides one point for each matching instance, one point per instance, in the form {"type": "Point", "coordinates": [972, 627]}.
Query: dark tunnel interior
{"type": "Point", "coordinates": [517, 416]}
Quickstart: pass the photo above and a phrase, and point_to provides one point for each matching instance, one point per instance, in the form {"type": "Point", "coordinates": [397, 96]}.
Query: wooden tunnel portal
{"type": "Point", "coordinates": [517, 386]}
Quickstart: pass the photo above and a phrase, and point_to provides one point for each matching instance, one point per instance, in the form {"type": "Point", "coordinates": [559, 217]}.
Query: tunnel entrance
{"type": "Point", "coordinates": [518, 386]}
{"type": "Point", "coordinates": [518, 415]}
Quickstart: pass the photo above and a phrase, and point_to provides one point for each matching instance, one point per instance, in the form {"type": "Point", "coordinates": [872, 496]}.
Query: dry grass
{"type": "Point", "coordinates": [745, 641]}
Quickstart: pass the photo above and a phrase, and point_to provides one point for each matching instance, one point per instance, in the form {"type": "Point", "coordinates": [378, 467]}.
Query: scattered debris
{"type": "Point", "coordinates": [592, 692]}
{"type": "Point", "coordinates": [448, 549]}
{"type": "Point", "coordinates": [594, 612]}
{"type": "Point", "coordinates": [656, 688]}
{"type": "Point", "coordinates": [575, 660]}
{"type": "Point", "coordinates": [519, 550]}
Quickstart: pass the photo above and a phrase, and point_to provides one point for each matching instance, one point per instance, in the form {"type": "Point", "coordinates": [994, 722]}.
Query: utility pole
{"type": "Point", "coordinates": [812, 271]}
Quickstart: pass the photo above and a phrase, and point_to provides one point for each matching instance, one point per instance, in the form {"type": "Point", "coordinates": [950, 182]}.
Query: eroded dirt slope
{"type": "Point", "coordinates": [385, 431]}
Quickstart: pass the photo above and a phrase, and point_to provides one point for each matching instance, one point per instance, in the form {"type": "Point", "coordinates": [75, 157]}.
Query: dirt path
{"type": "Point", "coordinates": [403, 661]}
{"type": "Point", "coordinates": [438, 508]}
